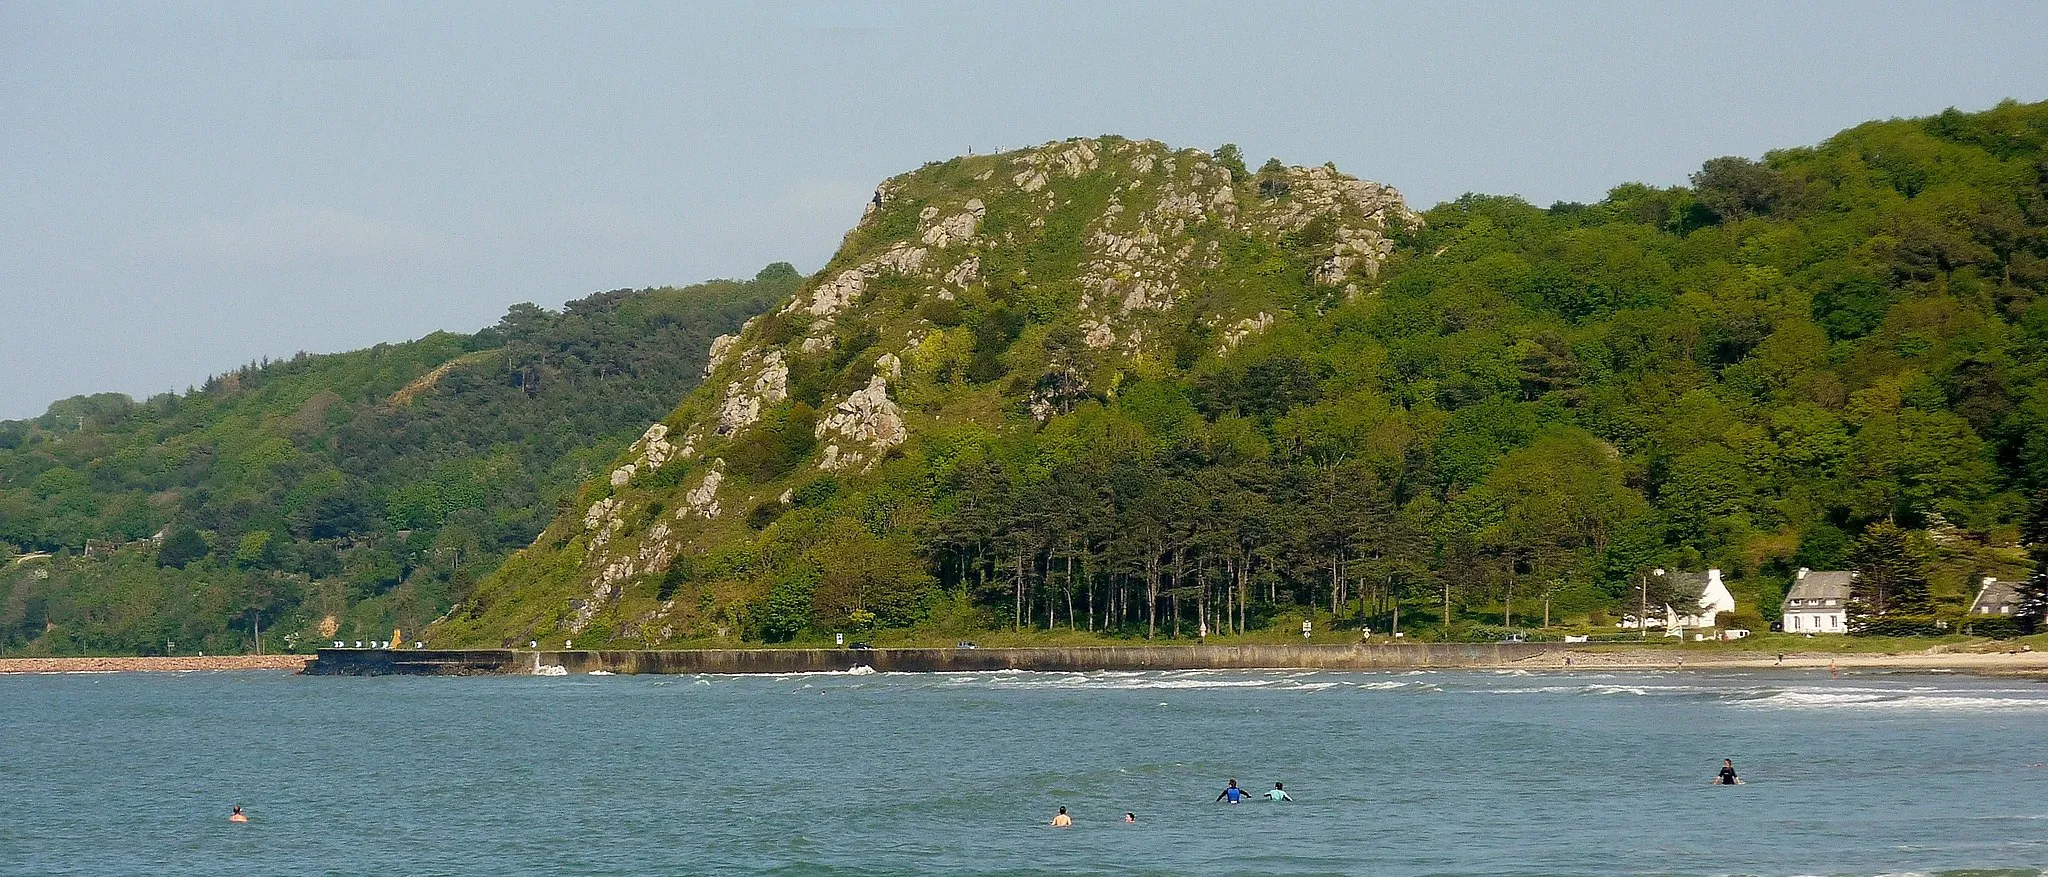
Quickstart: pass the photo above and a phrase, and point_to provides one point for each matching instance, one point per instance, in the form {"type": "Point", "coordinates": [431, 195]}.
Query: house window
{"type": "Point", "coordinates": [1795, 622]}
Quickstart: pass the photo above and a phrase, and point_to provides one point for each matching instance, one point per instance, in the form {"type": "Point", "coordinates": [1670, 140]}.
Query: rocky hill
{"type": "Point", "coordinates": [1107, 384]}
{"type": "Point", "coordinates": [988, 292]}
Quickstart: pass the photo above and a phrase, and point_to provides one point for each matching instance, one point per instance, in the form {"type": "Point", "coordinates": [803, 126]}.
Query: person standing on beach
{"type": "Point", "coordinates": [1232, 793]}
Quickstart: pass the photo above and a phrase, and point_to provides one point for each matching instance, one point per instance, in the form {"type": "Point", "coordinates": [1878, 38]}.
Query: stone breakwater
{"type": "Point", "coordinates": [158, 665]}
{"type": "Point", "coordinates": [455, 662]}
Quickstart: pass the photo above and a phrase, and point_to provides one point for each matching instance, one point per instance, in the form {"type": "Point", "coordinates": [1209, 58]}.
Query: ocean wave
{"type": "Point", "coordinates": [1896, 700]}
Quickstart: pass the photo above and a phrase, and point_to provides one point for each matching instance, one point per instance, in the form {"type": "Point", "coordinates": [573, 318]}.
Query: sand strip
{"type": "Point", "coordinates": [155, 665]}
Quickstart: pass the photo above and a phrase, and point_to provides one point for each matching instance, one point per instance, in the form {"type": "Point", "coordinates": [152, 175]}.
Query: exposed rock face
{"type": "Point", "coordinates": [1243, 329]}
{"type": "Point", "coordinates": [1113, 247]}
{"type": "Point", "coordinates": [958, 227]}
{"type": "Point", "coordinates": [744, 400]}
{"type": "Point", "coordinates": [702, 500]}
{"type": "Point", "coordinates": [600, 521]}
{"type": "Point", "coordinates": [861, 428]}
{"type": "Point", "coordinates": [652, 450]}
{"type": "Point", "coordinates": [720, 346]}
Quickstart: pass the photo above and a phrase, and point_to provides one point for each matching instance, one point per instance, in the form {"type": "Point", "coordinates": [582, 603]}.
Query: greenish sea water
{"type": "Point", "coordinates": [833, 774]}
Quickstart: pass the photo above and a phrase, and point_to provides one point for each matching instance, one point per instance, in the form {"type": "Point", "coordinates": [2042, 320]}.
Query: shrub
{"type": "Point", "coordinates": [1995, 627]}
{"type": "Point", "coordinates": [1896, 625]}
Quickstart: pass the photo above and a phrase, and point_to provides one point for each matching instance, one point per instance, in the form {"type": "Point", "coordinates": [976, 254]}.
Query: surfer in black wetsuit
{"type": "Point", "coordinates": [1727, 776]}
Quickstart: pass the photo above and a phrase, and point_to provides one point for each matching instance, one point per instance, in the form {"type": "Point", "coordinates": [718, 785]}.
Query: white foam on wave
{"type": "Point", "coordinates": [1635, 690]}
{"type": "Point", "coordinates": [1398, 685]}
{"type": "Point", "coordinates": [1901, 700]}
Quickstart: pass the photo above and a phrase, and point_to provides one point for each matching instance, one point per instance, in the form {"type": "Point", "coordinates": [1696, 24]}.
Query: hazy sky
{"type": "Point", "coordinates": [186, 188]}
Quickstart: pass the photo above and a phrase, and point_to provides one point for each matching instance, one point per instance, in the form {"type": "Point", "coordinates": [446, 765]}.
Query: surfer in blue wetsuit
{"type": "Point", "coordinates": [1232, 794]}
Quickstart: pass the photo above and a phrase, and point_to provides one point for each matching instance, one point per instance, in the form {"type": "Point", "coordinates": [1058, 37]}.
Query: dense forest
{"type": "Point", "coordinates": [1826, 358]}
{"type": "Point", "coordinates": [334, 496]}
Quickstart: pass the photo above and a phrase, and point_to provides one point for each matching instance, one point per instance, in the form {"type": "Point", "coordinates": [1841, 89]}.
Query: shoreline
{"type": "Point", "coordinates": [1356, 658]}
{"type": "Point", "coordinates": [2032, 665]}
{"type": "Point", "coordinates": [190, 664]}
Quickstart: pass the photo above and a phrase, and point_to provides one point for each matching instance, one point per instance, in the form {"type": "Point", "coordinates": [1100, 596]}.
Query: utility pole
{"type": "Point", "coordinates": [1643, 614]}
{"type": "Point", "coordinates": [256, 628]}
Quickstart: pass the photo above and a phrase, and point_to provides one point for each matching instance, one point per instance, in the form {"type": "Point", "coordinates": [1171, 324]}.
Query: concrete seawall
{"type": "Point", "coordinates": [459, 662]}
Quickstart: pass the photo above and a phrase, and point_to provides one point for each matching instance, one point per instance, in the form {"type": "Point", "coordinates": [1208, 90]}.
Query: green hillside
{"type": "Point", "coordinates": [1108, 385]}
{"type": "Point", "coordinates": [333, 496]}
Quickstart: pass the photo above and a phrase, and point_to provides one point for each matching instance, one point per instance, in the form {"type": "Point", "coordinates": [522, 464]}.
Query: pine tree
{"type": "Point", "coordinates": [1889, 578]}
{"type": "Point", "coordinates": [2032, 608]}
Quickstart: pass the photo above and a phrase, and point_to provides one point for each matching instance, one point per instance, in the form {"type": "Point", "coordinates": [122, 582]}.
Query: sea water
{"type": "Point", "coordinates": [1392, 774]}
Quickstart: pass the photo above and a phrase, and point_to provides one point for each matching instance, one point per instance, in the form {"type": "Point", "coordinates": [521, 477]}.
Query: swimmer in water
{"type": "Point", "coordinates": [1727, 775]}
{"type": "Point", "coordinates": [1130, 818]}
{"type": "Point", "coordinates": [238, 815]}
{"type": "Point", "coordinates": [1279, 793]}
{"type": "Point", "coordinates": [1063, 820]}
{"type": "Point", "coordinates": [1233, 794]}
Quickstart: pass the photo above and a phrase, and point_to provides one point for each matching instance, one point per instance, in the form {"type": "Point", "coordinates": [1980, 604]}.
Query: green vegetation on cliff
{"type": "Point", "coordinates": [1106, 385]}
{"type": "Point", "coordinates": [333, 496]}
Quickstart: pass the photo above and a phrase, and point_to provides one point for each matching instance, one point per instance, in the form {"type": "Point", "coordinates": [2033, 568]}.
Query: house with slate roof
{"type": "Point", "coordinates": [1996, 598]}
{"type": "Point", "coordinates": [1818, 601]}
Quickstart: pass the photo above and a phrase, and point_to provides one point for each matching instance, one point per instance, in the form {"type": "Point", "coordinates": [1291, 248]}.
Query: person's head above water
{"type": "Point", "coordinates": [1130, 817]}
{"type": "Point", "coordinates": [1063, 809]}
{"type": "Point", "coordinates": [1727, 762]}
{"type": "Point", "coordinates": [1278, 786]}
{"type": "Point", "coordinates": [1233, 784]}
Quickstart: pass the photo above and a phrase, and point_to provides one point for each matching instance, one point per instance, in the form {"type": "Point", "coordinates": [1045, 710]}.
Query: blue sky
{"type": "Point", "coordinates": [189, 187]}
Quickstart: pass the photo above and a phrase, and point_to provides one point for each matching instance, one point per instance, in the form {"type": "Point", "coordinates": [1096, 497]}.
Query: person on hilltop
{"type": "Point", "coordinates": [1232, 794]}
{"type": "Point", "coordinates": [238, 815]}
{"type": "Point", "coordinates": [1727, 775]}
{"type": "Point", "coordinates": [1279, 793]}
{"type": "Point", "coordinates": [1062, 820]}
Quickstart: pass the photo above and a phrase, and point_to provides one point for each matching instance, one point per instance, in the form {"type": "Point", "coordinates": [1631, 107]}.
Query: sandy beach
{"type": "Point", "coordinates": [1996, 663]}
{"type": "Point", "coordinates": [153, 665]}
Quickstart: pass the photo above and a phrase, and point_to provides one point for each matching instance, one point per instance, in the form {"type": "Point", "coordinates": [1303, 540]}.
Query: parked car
{"type": "Point", "coordinates": [1515, 638]}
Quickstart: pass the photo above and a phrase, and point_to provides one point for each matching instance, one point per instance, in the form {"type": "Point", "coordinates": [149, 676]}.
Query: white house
{"type": "Point", "coordinates": [1714, 599]}
{"type": "Point", "coordinates": [1819, 601]}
